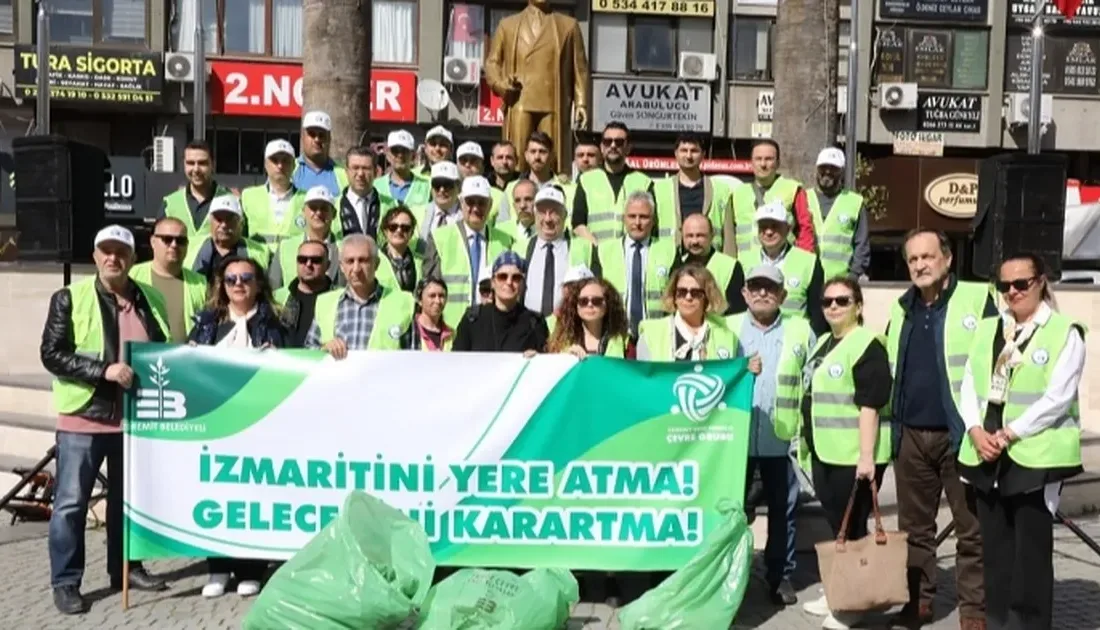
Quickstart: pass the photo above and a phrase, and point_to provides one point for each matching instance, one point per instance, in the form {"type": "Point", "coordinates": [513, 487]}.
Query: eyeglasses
{"type": "Point", "coordinates": [310, 260]}
{"type": "Point", "coordinates": [843, 301]}
{"type": "Point", "coordinates": [233, 279]}
{"type": "Point", "coordinates": [695, 294]}
{"type": "Point", "coordinates": [400, 228]}
{"type": "Point", "coordinates": [319, 208]}
{"type": "Point", "coordinates": [170, 240]}
{"type": "Point", "coordinates": [514, 278]}
{"type": "Point", "coordinates": [613, 142]}
{"type": "Point", "coordinates": [596, 301]}
{"type": "Point", "coordinates": [442, 184]}
{"type": "Point", "coordinates": [1020, 284]}
{"type": "Point", "coordinates": [761, 286]}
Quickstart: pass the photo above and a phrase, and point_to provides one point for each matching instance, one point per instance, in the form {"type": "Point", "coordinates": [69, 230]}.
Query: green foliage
{"type": "Point", "coordinates": [875, 197]}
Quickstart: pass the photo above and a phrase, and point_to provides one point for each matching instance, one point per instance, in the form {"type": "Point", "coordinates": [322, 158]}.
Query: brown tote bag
{"type": "Point", "coordinates": [866, 574]}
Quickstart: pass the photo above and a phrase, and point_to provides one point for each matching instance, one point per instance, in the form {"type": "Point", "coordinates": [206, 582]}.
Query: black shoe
{"type": "Point", "coordinates": [140, 580]}
{"type": "Point", "coordinates": [783, 594]}
{"type": "Point", "coordinates": [68, 600]}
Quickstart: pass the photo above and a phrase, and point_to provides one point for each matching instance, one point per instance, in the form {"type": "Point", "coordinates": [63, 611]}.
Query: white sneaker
{"type": "Point", "coordinates": [215, 585]}
{"type": "Point", "coordinates": [248, 588]}
{"type": "Point", "coordinates": [818, 607]}
{"type": "Point", "coordinates": [841, 621]}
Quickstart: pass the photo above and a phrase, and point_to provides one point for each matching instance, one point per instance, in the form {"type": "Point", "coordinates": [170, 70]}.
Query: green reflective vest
{"type": "Point", "coordinates": [616, 346]}
{"type": "Point", "coordinates": [835, 416]}
{"type": "Point", "coordinates": [580, 250]}
{"type": "Point", "coordinates": [835, 232]}
{"type": "Point", "coordinates": [194, 290]}
{"type": "Point", "coordinates": [1058, 446]}
{"type": "Point", "coordinates": [798, 271]}
{"type": "Point", "coordinates": [666, 192]}
{"type": "Point", "coordinates": [782, 189]}
{"type": "Point", "coordinates": [175, 206]}
{"type": "Point", "coordinates": [659, 261]}
{"type": "Point", "coordinates": [722, 268]}
{"type": "Point", "coordinates": [262, 225]}
{"type": "Point", "coordinates": [391, 321]}
{"type": "Point", "coordinates": [658, 336]}
{"type": "Point", "coordinates": [86, 319]}
{"type": "Point", "coordinates": [454, 266]}
{"type": "Point", "coordinates": [257, 251]}
{"type": "Point", "coordinates": [605, 208]}
{"type": "Point", "coordinates": [568, 187]}
{"type": "Point", "coordinates": [286, 256]}
{"type": "Point", "coordinates": [385, 274]}
{"type": "Point", "coordinates": [518, 234]}
{"type": "Point", "coordinates": [420, 192]}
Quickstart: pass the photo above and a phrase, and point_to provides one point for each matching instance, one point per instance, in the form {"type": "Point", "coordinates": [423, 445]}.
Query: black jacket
{"type": "Point", "coordinates": [264, 328]}
{"type": "Point", "coordinates": [58, 350]}
{"type": "Point", "coordinates": [485, 329]}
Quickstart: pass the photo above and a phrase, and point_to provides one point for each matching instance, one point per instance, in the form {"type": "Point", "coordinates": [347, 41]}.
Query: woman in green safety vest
{"type": "Point", "coordinates": [400, 265]}
{"type": "Point", "coordinates": [430, 332]}
{"type": "Point", "coordinates": [592, 320]}
{"type": "Point", "coordinates": [696, 330]}
{"type": "Point", "coordinates": [1023, 439]}
{"type": "Point", "coordinates": [845, 382]}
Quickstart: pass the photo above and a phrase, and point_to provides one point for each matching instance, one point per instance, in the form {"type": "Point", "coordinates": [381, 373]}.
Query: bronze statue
{"type": "Point", "coordinates": [537, 65]}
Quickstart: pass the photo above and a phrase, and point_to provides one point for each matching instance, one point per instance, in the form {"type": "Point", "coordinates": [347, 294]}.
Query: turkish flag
{"type": "Point", "coordinates": [1068, 8]}
{"type": "Point", "coordinates": [465, 24]}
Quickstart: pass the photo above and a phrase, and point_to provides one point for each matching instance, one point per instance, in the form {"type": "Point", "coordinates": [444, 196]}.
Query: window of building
{"type": "Point", "coordinates": [932, 57]}
{"type": "Point", "coordinates": [394, 27]}
{"type": "Point", "coordinates": [88, 22]}
{"type": "Point", "coordinates": [647, 45]}
{"type": "Point", "coordinates": [241, 151]}
{"type": "Point", "coordinates": [7, 17]}
{"type": "Point", "coordinates": [751, 48]}
{"type": "Point", "coordinates": [471, 25]}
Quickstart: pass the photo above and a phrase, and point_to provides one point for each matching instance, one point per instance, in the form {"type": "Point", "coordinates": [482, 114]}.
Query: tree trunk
{"type": "Point", "coordinates": [336, 63]}
{"type": "Point", "coordinates": [806, 56]}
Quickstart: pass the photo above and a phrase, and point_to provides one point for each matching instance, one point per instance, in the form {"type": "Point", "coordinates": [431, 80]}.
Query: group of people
{"type": "Point", "coordinates": [614, 264]}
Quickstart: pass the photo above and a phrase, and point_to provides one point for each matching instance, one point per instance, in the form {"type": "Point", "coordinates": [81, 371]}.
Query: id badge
{"type": "Point", "coordinates": [997, 388]}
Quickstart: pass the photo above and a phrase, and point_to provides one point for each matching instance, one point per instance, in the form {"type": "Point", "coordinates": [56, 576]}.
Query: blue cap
{"type": "Point", "coordinates": [509, 258]}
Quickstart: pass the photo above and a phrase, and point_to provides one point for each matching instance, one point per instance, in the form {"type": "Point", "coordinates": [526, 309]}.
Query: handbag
{"type": "Point", "coordinates": [865, 574]}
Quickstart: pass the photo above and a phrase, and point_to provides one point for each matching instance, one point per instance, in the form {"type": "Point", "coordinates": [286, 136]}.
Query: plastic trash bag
{"type": "Point", "coordinates": [476, 599]}
{"type": "Point", "coordinates": [369, 568]}
{"type": "Point", "coordinates": [705, 593]}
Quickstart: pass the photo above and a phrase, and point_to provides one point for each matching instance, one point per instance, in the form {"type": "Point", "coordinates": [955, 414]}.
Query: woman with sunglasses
{"type": "Point", "coordinates": [505, 324]}
{"type": "Point", "coordinates": [400, 266]}
{"type": "Point", "coordinates": [696, 330]}
{"type": "Point", "coordinates": [430, 332]}
{"type": "Point", "coordinates": [1023, 439]}
{"type": "Point", "coordinates": [847, 380]}
{"type": "Point", "coordinates": [240, 314]}
{"type": "Point", "coordinates": [592, 320]}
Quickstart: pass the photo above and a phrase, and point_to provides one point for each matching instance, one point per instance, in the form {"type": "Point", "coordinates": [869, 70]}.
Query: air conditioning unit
{"type": "Point", "coordinates": [698, 66]}
{"type": "Point", "coordinates": [1019, 109]}
{"type": "Point", "coordinates": [461, 71]}
{"type": "Point", "coordinates": [897, 95]}
{"type": "Point", "coordinates": [164, 154]}
{"type": "Point", "coordinates": [179, 67]}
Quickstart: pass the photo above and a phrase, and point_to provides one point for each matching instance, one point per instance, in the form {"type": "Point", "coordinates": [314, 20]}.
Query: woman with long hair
{"type": "Point", "coordinates": [430, 332]}
{"type": "Point", "coordinates": [696, 330]}
{"type": "Point", "coordinates": [400, 265]}
{"type": "Point", "coordinates": [592, 320]}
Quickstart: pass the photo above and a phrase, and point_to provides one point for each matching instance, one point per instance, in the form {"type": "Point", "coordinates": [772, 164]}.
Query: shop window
{"type": "Point", "coordinates": [88, 22]}
{"type": "Point", "coordinates": [470, 26]}
{"type": "Point", "coordinates": [7, 18]}
{"type": "Point", "coordinates": [241, 151]}
{"type": "Point", "coordinates": [932, 57]}
{"type": "Point", "coordinates": [646, 45]}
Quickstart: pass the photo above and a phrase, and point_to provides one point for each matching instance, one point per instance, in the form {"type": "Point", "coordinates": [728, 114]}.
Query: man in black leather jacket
{"type": "Point", "coordinates": [90, 376]}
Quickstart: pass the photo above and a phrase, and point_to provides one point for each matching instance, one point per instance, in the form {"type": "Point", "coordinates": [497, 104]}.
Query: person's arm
{"type": "Point", "coordinates": [873, 384]}
{"type": "Point", "coordinates": [462, 341]}
{"type": "Point", "coordinates": [313, 337]}
{"type": "Point", "coordinates": [804, 237]}
{"type": "Point", "coordinates": [580, 212]}
{"type": "Point", "coordinates": [734, 299]}
{"type": "Point", "coordinates": [861, 247]}
{"type": "Point", "coordinates": [431, 259]}
{"type": "Point", "coordinates": [814, 312]}
{"type": "Point", "coordinates": [58, 349]}
{"type": "Point", "coordinates": [1060, 394]}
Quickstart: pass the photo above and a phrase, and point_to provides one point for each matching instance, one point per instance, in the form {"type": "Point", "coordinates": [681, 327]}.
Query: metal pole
{"type": "Point", "coordinates": [42, 102]}
{"type": "Point", "coordinates": [198, 105]}
{"type": "Point", "coordinates": [851, 119]}
{"type": "Point", "coordinates": [1035, 98]}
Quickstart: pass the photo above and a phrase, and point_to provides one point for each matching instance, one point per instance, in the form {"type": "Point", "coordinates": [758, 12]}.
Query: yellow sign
{"type": "Point", "coordinates": [954, 196]}
{"type": "Point", "coordinates": [678, 8]}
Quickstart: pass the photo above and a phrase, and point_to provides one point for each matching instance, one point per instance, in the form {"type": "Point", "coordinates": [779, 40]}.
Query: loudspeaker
{"type": "Point", "coordinates": [1021, 208]}
{"type": "Point", "coordinates": [58, 197]}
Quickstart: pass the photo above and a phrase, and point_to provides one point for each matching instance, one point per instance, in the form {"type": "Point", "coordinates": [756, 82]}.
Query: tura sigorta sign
{"type": "Point", "coordinates": [93, 75]}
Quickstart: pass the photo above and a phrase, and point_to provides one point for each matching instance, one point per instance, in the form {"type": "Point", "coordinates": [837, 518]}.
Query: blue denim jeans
{"type": "Point", "coordinates": [79, 458]}
{"type": "Point", "coordinates": [780, 483]}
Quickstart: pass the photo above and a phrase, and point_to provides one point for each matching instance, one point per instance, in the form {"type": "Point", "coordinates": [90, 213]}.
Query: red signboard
{"type": "Point", "coordinates": [490, 107]}
{"type": "Point", "coordinates": [275, 89]}
{"type": "Point", "coordinates": [713, 166]}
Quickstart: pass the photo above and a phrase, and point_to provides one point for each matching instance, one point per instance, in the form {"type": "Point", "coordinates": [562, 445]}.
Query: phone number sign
{"type": "Point", "coordinates": [680, 8]}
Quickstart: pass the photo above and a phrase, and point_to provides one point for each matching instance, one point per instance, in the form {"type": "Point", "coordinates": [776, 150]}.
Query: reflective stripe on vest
{"type": "Point", "coordinates": [262, 225]}
{"type": "Point", "coordinates": [1059, 445]}
{"type": "Point", "coordinates": [454, 267]}
{"type": "Point", "coordinates": [787, 414]}
{"type": "Point", "coordinates": [659, 261]}
{"type": "Point", "coordinates": [391, 320]}
{"type": "Point", "coordinates": [420, 192]}
{"type": "Point", "coordinates": [605, 208]}
{"type": "Point", "coordinates": [722, 267]}
{"type": "Point", "coordinates": [386, 276]}
{"type": "Point", "coordinates": [835, 416]}
{"type": "Point", "coordinates": [744, 210]}
{"type": "Point", "coordinates": [666, 194]}
{"type": "Point", "coordinates": [175, 206]}
{"type": "Point", "coordinates": [798, 271]}
{"type": "Point", "coordinates": [658, 336]}
{"type": "Point", "coordinates": [836, 231]}
{"type": "Point", "coordinates": [194, 286]}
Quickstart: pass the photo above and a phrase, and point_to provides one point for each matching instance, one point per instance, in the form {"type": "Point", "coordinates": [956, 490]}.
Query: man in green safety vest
{"type": "Point", "coordinates": [689, 192]}
{"type": "Point", "coordinates": [88, 325]}
{"type": "Point", "coordinates": [226, 239]}
{"type": "Point", "coordinates": [315, 166]}
{"type": "Point", "coordinates": [359, 206]}
{"type": "Point", "coordinates": [697, 246]}
{"type": "Point", "coordinates": [183, 291]}
{"type": "Point", "coordinates": [550, 253]}
{"type": "Point", "coordinates": [402, 184]}
{"type": "Point", "coordinates": [601, 194]}
{"type": "Point", "coordinates": [522, 226]}
{"type": "Point", "coordinates": [271, 210]}
{"type": "Point", "coordinates": [444, 208]}
{"type": "Point", "coordinates": [299, 298]}
{"type": "Point", "coordinates": [318, 211]}
{"type": "Point", "coordinates": [439, 146]}
{"type": "Point", "coordinates": [471, 162]}
{"type": "Point", "coordinates": [191, 203]}
{"type": "Point", "coordinates": [840, 221]}
{"type": "Point", "coordinates": [769, 186]}
{"type": "Point", "coordinates": [537, 154]}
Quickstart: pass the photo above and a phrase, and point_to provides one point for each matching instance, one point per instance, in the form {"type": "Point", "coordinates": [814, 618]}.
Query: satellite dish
{"type": "Point", "coordinates": [432, 95]}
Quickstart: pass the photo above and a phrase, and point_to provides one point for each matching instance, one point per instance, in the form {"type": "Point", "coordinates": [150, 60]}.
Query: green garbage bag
{"type": "Point", "coordinates": [369, 568]}
{"type": "Point", "coordinates": [476, 599]}
{"type": "Point", "coordinates": [707, 591]}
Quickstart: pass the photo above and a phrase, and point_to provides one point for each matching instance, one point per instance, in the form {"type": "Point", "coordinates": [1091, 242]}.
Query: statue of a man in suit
{"type": "Point", "coordinates": [537, 65]}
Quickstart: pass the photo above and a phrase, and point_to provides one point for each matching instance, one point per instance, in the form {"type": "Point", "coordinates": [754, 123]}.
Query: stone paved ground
{"type": "Point", "coordinates": [26, 602]}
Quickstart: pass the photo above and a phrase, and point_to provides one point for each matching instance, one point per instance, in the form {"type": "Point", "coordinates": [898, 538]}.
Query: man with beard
{"type": "Point", "coordinates": [602, 193]}
{"type": "Point", "coordinates": [586, 155]}
{"type": "Point", "coordinates": [315, 167]}
{"type": "Point", "coordinates": [537, 155]}
{"type": "Point", "coordinates": [191, 204]}
{"type": "Point", "coordinates": [226, 239]}
{"type": "Point", "coordinates": [689, 192]}
{"type": "Point", "coordinates": [697, 247]}
{"type": "Point", "coordinates": [840, 221]}
{"type": "Point", "coordinates": [503, 160]}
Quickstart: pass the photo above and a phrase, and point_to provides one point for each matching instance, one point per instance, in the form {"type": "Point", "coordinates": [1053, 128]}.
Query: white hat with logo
{"type": "Point", "coordinates": [319, 193]}
{"type": "Point", "coordinates": [773, 211]}
{"type": "Point", "coordinates": [439, 131]}
{"type": "Point", "coordinates": [317, 119]}
{"type": "Point", "coordinates": [115, 233]}
{"type": "Point", "coordinates": [445, 170]}
{"type": "Point", "coordinates": [400, 138]}
{"type": "Point", "coordinates": [550, 194]}
{"type": "Point", "coordinates": [470, 148]}
{"type": "Point", "coordinates": [476, 186]}
{"type": "Point", "coordinates": [226, 203]}
{"type": "Point", "coordinates": [275, 147]}
{"type": "Point", "coordinates": [578, 273]}
{"type": "Point", "coordinates": [831, 156]}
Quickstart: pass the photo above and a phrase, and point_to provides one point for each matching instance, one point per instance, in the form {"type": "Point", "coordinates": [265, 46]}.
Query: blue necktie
{"type": "Point", "coordinates": [475, 259]}
{"type": "Point", "coordinates": [637, 312]}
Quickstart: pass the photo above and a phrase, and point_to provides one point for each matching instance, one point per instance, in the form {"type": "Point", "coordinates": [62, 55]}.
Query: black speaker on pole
{"type": "Point", "coordinates": [58, 197]}
{"type": "Point", "coordinates": [1021, 208]}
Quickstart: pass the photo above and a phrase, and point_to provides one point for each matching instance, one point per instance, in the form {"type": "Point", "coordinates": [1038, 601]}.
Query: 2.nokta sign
{"type": "Point", "coordinates": [275, 89]}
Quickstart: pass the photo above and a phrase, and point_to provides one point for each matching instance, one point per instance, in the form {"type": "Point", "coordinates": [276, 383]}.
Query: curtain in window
{"type": "Point", "coordinates": [7, 20]}
{"type": "Point", "coordinates": [466, 31]}
{"type": "Point", "coordinates": [393, 30]}
{"type": "Point", "coordinates": [287, 38]}
{"type": "Point", "coordinates": [184, 31]}
{"type": "Point", "coordinates": [124, 21]}
{"type": "Point", "coordinates": [244, 26]}
{"type": "Point", "coordinates": [71, 21]}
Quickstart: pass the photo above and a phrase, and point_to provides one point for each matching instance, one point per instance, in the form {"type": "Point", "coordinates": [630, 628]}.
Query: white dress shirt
{"type": "Point", "coordinates": [360, 206]}
{"type": "Point", "coordinates": [628, 252]}
{"type": "Point", "coordinates": [431, 217]}
{"type": "Point", "coordinates": [536, 269]}
{"type": "Point", "coordinates": [279, 203]}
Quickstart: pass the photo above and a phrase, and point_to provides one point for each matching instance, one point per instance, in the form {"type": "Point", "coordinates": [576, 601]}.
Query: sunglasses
{"type": "Point", "coordinates": [595, 301]}
{"type": "Point", "coordinates": [843, 301]}
{"type": "Point", "coordinates": [234, 279]}
{"type": "Point", "coordinates": [695, 294]}
{"type": "Point", "coordinates": [442, 184]}
{"type": "Point", "coordinates": [1020, 284]}
{"type": "Point", "coordinates": [310, 260]}
{"type": "Point", "coordinates": [485, 291]}
{"type": "Point", "coordinates": [514, 278]}
{"type": "Point", "coordinates": [400, 228]}
{"type": "Point", "coordinates": [171, 240]}
{"type": "Point", "coordinates": [762, 286]}
{"type": "Point", "coordinates": [319, 208]}
{"type": "Point", "coordinates": [613, 142]}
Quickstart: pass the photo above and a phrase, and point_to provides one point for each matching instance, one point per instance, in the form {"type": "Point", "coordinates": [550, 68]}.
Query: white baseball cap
{"type": "Point", "coordinates": [445, 170]}
{"type": "Point", "coordinates": [317, 119]}
{"type": "Point", "coordinates": [578, 273]}
{"type": "Point", "coordinates": [550, 194]}
{"type": "Point", "coordinates": [831, 156]}
{"type": "Point", "coordinates": [470, 148]}
{"type": "Point", "coordinates": [400, 138]}
{"type": "Point", "coordinates": [773, 211]}
{"type": "Point", "coordinates": [115, 233]}
{"type": "Point", "coordinates": [226, 203]}
{"type": "Point", "coordinates": [319, 193]}
{"type": "Point", "coordinates": [275, 147]}
{"type": "Point", "coordinates": [476, 186]}
{"type": "Point", "coordinates": [439, 131]}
